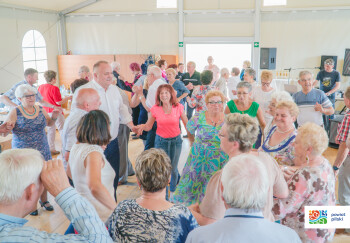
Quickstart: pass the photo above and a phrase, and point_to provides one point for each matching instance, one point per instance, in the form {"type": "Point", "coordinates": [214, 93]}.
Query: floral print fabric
{"type": "Point", "coordinates": [197, 99]}
{"type": "Point", "coordinates": [309, 186]}
{"type": "Point", "coordinates": [205, 158]}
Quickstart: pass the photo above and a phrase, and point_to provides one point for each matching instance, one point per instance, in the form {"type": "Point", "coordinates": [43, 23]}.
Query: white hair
{"type": "Point", "coordinates": [224, 71]}
{"type": "Point", "coordinates": [156, 71]}
{"type": "Point", "coordinates": [18, 169]}
{"type": "Point", "coordinates": [114, 65]}
{"type": "Point", "coordinates": [84, 69]}
{"type": "Point", "coordinates": [24, 89]}
{"type": "Point", "coordinates": [245, 182]}
{"type": "Point", "coordinates": [281, 96]}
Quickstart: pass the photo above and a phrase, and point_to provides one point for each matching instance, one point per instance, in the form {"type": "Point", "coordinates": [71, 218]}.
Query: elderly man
{"type": "Point", "coordinates": [312, 103]}
{"type": "Point", "coordinates": [243, 220]}
{"type": "Point", "coordinates": [84, 73]}
{"type": "Point", "coordinates": [86, 100]}
{"type": "Point", "coordinates": [154, 79]}
{"type": "Point", "coordinates": [30, 77]}
{"type": "Point", "coordinates": [24, 175]}
{"type": "Point", "coordinates": [190, 79]}
{"type": "Point", "coordinates": [112, 104]}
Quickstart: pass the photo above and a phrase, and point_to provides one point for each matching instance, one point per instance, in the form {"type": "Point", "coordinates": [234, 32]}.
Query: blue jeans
{"type": "Point", "coordinates": [189, 112]}
{"type": "Point", "coordinates": [172, 147]}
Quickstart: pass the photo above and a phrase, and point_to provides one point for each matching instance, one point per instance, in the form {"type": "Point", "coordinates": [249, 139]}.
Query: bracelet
{"type": "Point", "coordinates": [335, 168]}
{"type": "Point", "coordinates": [141, 97]}
{"type": "Point", "coordinates": [285, 168]}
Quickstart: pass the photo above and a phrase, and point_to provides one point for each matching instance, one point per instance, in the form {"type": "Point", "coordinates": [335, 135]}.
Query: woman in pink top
{"type": "Point", "coordinates": [167, 113]}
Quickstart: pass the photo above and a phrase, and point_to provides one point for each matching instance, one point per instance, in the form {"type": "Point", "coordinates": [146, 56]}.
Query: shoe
{"type": "Point", "coordinates": [54, 152]}
{"type": "Point", "coordinates": [185, 136]}
{"type": "Point", "coordinates": [34, 213]}
{"type": "Point", "coordinates": [134, 138]}
{"type": "Point", "coordinates": [134, 135]}
{"type": "Point", "coordinates": [132, 174]}
{"type": "Point", "coordinates": [48, 208]}
{"type": "Point", "coordinates": [122, 183]}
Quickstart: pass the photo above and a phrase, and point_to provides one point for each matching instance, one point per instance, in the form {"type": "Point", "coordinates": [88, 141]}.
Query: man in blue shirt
{"type": "Point", "coordinates": [30, 77]}
{"type": "Point", "coordinates": [24, 174]}
{"type": "Point", "coordinates": [243, 220]}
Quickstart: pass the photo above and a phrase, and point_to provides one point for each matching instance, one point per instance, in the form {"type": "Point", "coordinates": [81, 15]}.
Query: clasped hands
{"type": "Point", "coordinates": [139, 129]}
{"type": "Point", "coordinates": [7, 127]}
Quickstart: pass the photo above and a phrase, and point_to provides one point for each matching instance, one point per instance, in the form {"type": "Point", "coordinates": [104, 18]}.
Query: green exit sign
{"type": "Point", "coordinates": [181, 44]}
{"type": "Point", "coordinates": [256, 44]}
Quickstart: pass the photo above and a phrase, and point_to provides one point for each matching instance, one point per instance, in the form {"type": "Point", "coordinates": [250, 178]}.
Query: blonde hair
{"type": "Point", "coordinates": [213, 93]}
{"type": "Point", "coordinates": [266, 75]}
{"type": "Point", "coordinates": [153, 169]}
{"type": "Point", "coordinates": [290, 105]}
{"type": "Point", "coordinates": [314, 136]}
{"type": "Point", "coordinates": [247, 63]}
{"type": "Point", "coordinates": [243, 129]}
{"type": "Point", "coordinates": [171, 70]}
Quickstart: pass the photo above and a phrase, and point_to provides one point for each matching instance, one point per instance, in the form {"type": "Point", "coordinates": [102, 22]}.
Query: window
{"type": "Point", "coordinates": [34, 53]}
{"type": "Point", "coordinates": [275, 2]}
{"type": "Point", "coordinates": [166, 3]}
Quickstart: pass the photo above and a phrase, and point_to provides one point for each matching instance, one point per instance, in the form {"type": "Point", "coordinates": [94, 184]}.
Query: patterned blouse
{"type": "Point", "coordinates": [309, 186]}
{"type": "Point", "coordinates": [132, 223]}
{"type": "Point", "coordinates": [283, 152]}
{"type": "Point", "coordinates": [197, 99]}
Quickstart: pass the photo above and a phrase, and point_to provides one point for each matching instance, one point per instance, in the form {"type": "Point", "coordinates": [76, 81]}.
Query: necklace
{"type": "Point", "coordinates": [215, 123]}
{"type": "Point", "coordinates": [27, 113]}
{"type": "Point", "coordinates": [279, 131]}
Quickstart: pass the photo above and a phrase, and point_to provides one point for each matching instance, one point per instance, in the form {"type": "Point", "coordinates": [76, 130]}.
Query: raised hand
{"type": "Point", "coordinates": [318, 107]}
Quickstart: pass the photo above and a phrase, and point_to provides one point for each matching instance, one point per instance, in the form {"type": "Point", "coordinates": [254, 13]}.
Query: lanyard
{"type": "Point", "coordinates": [243, 216]}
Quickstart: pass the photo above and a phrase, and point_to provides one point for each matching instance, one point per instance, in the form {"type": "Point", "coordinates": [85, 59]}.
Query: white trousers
{"type": "Point", "coordinates": [51, 130]}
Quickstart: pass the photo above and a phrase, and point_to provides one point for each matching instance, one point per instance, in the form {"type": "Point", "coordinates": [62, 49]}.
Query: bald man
{"type": "Point", "coordinates": [86, 100]}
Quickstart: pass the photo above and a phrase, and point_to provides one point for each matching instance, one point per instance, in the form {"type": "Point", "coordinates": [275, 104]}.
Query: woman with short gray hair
{"type": "Point", "coordinates": [221, 84]}
{"type": "Point", "coordinates": [244, 105]}
{"type": "Point", "coordinates": [150, 218]}
{"type": "Point", "coordinates": [29, 131]}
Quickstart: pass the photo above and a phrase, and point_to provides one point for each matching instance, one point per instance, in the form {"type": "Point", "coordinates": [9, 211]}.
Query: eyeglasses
{"type": "Point", "coordinates": [242, 93]}
{"type": "Point", "coordinates": [265, 84]}
{"type": "Point", "coordinates": [29, 96]}
{"type": "Point", "coordinates": [329, 63]}
{"type": "Point", "coordinates": [215, 103]}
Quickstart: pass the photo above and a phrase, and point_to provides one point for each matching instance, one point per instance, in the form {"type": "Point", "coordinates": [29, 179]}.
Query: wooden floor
{"type": "Point", "coordinates": [57, 222]}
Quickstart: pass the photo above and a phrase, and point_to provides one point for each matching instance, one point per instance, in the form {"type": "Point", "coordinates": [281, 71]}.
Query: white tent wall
{"type": "Point", "coordinates": [14, 23]}
{"type": "Point", "coordinates": [301, 38]}
{"type": "Point", "coordinates": [139, 34]}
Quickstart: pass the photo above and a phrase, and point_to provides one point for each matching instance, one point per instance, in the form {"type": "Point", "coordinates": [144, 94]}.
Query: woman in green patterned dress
{"type": "Point", "coordinates": [206, 156]}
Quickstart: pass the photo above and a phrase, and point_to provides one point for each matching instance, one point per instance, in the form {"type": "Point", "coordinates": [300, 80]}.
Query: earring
{"type": "Point", "coordinates": [307, 160]}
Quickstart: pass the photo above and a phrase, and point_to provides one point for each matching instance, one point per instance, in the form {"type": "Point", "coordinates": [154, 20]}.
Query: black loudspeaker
{"type": "Point", "coordinates": [324, 58]}
{"type": "Point", "coordinates": [346, 67]}
{"type": "Point", "coordinates": [268, 58]}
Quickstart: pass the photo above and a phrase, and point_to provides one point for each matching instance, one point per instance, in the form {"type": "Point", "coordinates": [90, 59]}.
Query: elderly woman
{"type": "Point", "coordinates": [244, 104]}
{"type": "Point", "coordinates": [313, 184]}
{"type": "Point", "coordinates": [205, 157]}
{"type": "Point", "coordinates": [92, 174]}
{"type": "Point", "coordinates": [167, 112]}
{"type": "Point", "coordinates": [262, 94]}
{"type": "Point", "coordinates": [279, 140]}
{"type": "Point", "coordinates": [29, 131]}
{"type": "Point", "coordinates": [237, 136]}
{"type": "Point", "coordinates": [51, 93]}
{"type": "Point", "coordinates": [246, 64]}
{"type": "Point", "coordinates": [221, 84]}
{"type": "Point", "coordinates": [162, 64]}
{"type": "Point", "coordinates": [276, 97]}
{"type": "Point", "coordinates": [212, 67]}
{"type": "Point", "coordinates": [84, 73]}
{"type": "Point", "coordinates": [179, 87]}
{"type": "Point", "coordinates": [150, 218]}
{"type": "Point", "coordinates": [121, 83]}
{"type": "Point", "coordinates": [197, 99]}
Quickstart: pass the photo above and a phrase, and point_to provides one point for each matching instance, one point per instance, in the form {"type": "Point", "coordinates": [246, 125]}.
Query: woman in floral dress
{"type": "Point", "coordinates": [206, 156]}
{"type": "Point", "coordinates": [313, 184]}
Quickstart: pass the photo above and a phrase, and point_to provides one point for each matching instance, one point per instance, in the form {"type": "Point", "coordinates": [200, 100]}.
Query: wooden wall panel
{"type": "Point", "coordinates": [68, 65]}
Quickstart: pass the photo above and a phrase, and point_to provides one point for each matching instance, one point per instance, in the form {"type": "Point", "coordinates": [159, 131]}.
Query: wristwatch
{"type": "Point", "coordinates": [141, 97]}
{"type": "Point", "coordinates": [335, 168]}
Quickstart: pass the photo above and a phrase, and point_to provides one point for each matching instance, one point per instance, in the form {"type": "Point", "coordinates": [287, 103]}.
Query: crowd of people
{"type": "Point", "coordinates": [255, 160]}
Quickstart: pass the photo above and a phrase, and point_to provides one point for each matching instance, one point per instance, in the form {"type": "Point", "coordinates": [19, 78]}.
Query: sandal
{"type": "Point", "coordinates": [48, 208]}
{"type": "Point", "coordinates": [34, 213]}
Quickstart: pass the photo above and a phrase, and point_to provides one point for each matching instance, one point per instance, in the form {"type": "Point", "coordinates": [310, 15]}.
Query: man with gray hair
{"type": "Point", "coordinates": [154, 80]}
{"type": "Point", "coordinates": [24, 175]}
{"type": "Point", "coordinates": [86, 100]}
{"type": "Point", "coordinates": [30, 77]}
{"type": "Point", "coordinates": [312, 103]}
{"type": "Point", "coordinates": [244, 186]}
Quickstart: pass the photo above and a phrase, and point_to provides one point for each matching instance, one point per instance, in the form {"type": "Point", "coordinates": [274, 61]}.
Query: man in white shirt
{"type": "Point", "coordinates": [154, 80]}
{"type": "Point", "coordinates": [112, 104]}
{"type": "Point", "coordinates": [232, 83]}
{"type": "Point", "coordinates": [86, 100]}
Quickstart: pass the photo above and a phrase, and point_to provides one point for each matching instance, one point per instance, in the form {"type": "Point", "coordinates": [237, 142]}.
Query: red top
{"type": "Point", "coordinates": [167, 124]}
{"type": "Point", "coordinates": [51, 94]}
